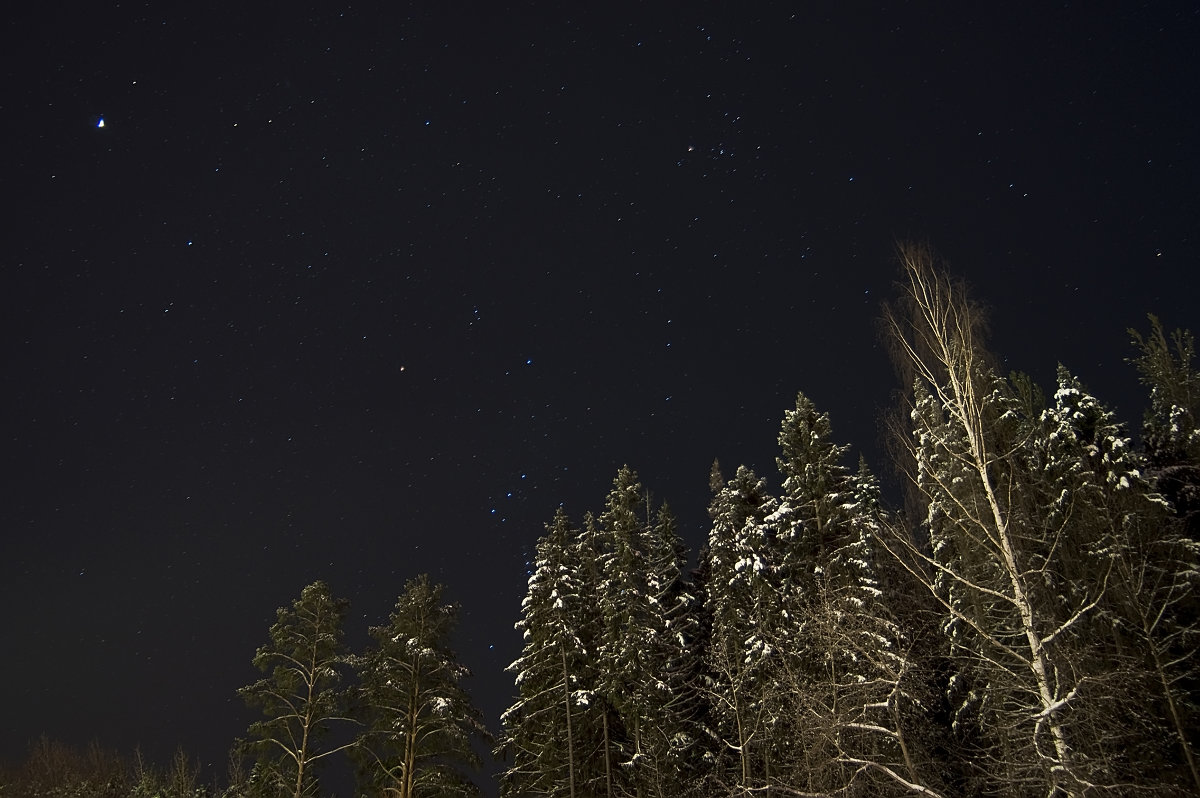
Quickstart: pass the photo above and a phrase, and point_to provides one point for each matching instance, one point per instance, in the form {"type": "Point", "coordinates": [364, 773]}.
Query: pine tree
{"type": "Point", "coordinates": [1084, 493]}
{"type": "Point", "coordinates": [809, 524]}
{"type": "Point", "coordinates": [898, 683]}
{"type": "Point", "coordinates": [626, 635]}
{"type": "Point", "coordinates": [679, 738]}
{"type": "Point", "coordinates": [303, 664]}
{"type": "Point", "coordinates": [1164, 578]}
{"type": "Point", "coordinates": [420, 722]}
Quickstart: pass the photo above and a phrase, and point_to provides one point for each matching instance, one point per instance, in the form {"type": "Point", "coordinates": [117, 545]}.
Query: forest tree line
{"type": "Point", "coordinates": [1024, 624]}
{"type": "Point", "coordinates": [397, 711]}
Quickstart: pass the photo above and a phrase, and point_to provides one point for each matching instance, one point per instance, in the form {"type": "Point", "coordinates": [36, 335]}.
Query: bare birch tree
{"type": "Point", "coordinates": [990, 564]}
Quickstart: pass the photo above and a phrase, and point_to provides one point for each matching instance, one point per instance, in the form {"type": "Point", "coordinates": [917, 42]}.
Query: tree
{"type": "Point", "coordinates": [52, 768]}
{"type": "Point", "coordinates": [990, 562]}
{"type": "Point", "coordinates": [420, 722]}
{"type": "Point", "coordinates": [549, 732]}
{"type": "Point", "coordinates": [741, 605]}
{"type": "Point", "coordinates": [1169, 570]}
{"type": "Point", "coordinates": [643, 653]}
{"type": "Point", "coordinates": [849, 668]}
{"type": "Point", "coordinates": [299, 697]}
{"type": "Point", "coordinates": [1171, 427]}
{"type": "Point", "coordinates": [1162, 578]}
{"type": "Point", "coordinates": [677, 706]}
{"type": "Point", "coordinates": [1089, 493]}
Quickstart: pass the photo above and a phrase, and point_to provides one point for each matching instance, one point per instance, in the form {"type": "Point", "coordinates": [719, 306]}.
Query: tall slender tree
{"type": "Point", "coordinates": [849, 670]}
{"type": "Point", "coordinates": [1101, 493]}
{"type": "Point", "coordinates": [420, 722]}
{"type": "Point", "coordinates": [626, 634]}
{"type": "Point", "coordinates": [303, 663]}
{"type": "Point", "coordinates": [989, 556]}
{"type": "Point", "coordinates": [1086, 492]}
{"type": "Point", "coordinates": [679, 739]}
{"type": "Point", "coordinates": [741, 605]}
{"type": "Point", "coordinates": [549, 733]}
{"type": "Point", "coordinates": [643, 653]}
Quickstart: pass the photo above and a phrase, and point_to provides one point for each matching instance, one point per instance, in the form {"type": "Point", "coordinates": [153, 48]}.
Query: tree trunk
{"type": "Point", "coordinates": [938, 343]}
{"type": "Point", "coordinates": [570, 741]}
{"type": "Point", "coordinates": [608, 785]}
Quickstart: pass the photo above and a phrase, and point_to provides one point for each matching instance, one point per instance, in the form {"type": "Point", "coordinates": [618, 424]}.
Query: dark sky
{"type": "Point", "coordinates": [352, 294]}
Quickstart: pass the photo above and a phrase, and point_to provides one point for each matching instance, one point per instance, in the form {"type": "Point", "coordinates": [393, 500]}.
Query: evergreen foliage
{"type": "Point", "coordinates": [848, 679]}
{"type": "Point", "coordinates": [420, 722]}
{"type": "Point", "coordinates": [1171, 426]}
{"type": "Point", "coordinates": [303, 665]}
{"type": "Point", "coordinates": [742, 609]}
{"type": "Point", "coordinates": [644, 652]}
{"type": "Point", "coordinates": [548, 733]}
{"type": "Point", "coordinates": [1027, 627]}
{"type": "Point", "coordinates": [1028, 517]}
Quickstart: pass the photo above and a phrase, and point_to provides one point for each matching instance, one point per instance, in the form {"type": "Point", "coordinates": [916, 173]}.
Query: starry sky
{"type": "Point", "coordinates": [298, 291]}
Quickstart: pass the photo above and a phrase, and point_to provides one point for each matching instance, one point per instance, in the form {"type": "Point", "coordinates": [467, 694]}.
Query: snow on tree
{"type": "Point", "coordinates": [622, 598]}
{"type": "Point", "coordinates": [992, 564]}
{"type": "Point", "coordinates": [549, 733]}
{"type": "Point", "coordinates": [420, 722]}
{"type": "Point", "coordinates": [848, 669]}
{"type": "Point", "coordinates": [1162, 578]}
{"type": "Point", "coordinates": [644, 651]}
{"type": "Point", "coordinates": [1153, 634]}
{"type": "Point", "coordinates": [742, 607]}
{"type": "Point", "coordinates": [1171, 427]}
{"type": "Point", "coordinates": [681, 705]}
{"type": "Point", "coordinates": [1166, 368]}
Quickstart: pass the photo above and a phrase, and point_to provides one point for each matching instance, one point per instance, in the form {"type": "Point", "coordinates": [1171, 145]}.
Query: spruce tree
{"type": "Point", "coordinates": [1171, 426]}
{"type": "Point", "coordinates": [1153, 568]}
{"type": "Point", "coordinates": [741, 604]}
{"type": "Point", "coordinates": [849, 671]}
{"type": "Point", "coordinates": [643, 654]}
{"type": "Point", "coordinates": [626, 636]}
{"type": "Point", "coordinates": [549, 733]}
{"type": "Point", "coordinates": [1083, 495]}
{"type": "Point", "coordinates": [420, 722]}
{"type": "Point", "coordinates": [679, 739]}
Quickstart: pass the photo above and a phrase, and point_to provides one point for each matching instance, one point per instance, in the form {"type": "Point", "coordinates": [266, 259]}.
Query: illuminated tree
{"type": "Point", "coordinates": [991, 561]}
{"type": "Point", "coordinates": [643, 655]}
{"type": "Point", "coordinates": [550, 732]}
{"type": "Point", "coordinates": [741, 607]}
{"type": "Point", "coordinates": [849, 669]}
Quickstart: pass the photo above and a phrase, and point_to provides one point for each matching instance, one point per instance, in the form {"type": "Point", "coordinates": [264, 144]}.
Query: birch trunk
{"type": "Point", "coordinates": [936, 340]}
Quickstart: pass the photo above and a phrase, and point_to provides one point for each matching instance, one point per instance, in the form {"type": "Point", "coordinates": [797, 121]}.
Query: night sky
{"type": "Point", "coordinates": [300, 292]}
